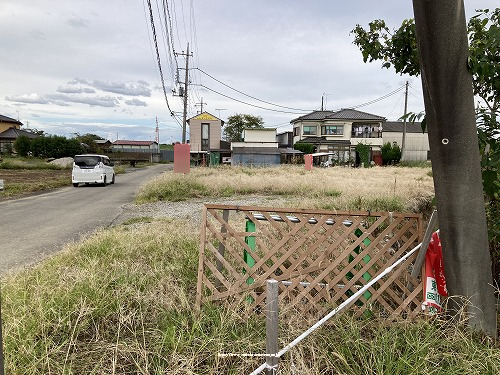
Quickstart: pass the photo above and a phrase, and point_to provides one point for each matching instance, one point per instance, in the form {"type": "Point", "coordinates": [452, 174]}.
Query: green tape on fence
{"type": "Point", "coordinates": [250, 241]}
{"type": "Point", "coordinates": [366, 259]}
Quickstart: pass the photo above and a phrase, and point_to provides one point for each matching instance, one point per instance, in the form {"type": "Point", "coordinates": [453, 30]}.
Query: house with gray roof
{"type": "Point", "coordinates": [7, 123]}
{"type": "Point", "coordinates": [338, 132]}
{"type": "Point", "coordinates": [9, 136]}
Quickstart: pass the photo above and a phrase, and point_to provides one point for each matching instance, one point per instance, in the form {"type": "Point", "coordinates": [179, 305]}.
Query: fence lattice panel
{"type": "Point", "coordinates": [320, 257]}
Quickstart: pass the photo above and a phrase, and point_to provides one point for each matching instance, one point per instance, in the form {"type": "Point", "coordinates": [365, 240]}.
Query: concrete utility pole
{"type": "Point", "coordinates": [403, 142]}
{"type": "Point", "coordinates": [441, 32]}
{"type": "Point", "coordinates": [186, 84]}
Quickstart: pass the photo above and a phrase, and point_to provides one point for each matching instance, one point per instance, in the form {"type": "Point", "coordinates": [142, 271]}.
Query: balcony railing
{"type": "Point", "coordinates": [366, 133]}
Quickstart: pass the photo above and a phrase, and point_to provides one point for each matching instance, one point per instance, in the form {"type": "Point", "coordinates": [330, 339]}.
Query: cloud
{"type": "Point", "coordinates": [64, 99]}
{"type": "Point", "coordinates": [139, 89]}
{"type": "Point", "coordinates": [100, 101]}
{"type": "Point", "coordinates": [75, 90]}
{"type": "Point", "coordinates": [77, 81]}
{"type": "Point", "coordinates": [28, 98]}
{"type": "Point", "coordinates": [136, 102]}
{"type": "Point", "coordinates": [78, 22]}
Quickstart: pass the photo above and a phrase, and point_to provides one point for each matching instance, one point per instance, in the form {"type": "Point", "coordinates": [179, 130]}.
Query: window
{"type": "Point", "coordinates": [205, 136]}
{"type": "Point", "coordinates": [309, 130]}
{"type": "Point", "coordinates": [332, 130]}
{"type": "Point", "coordinates": [296, 131]}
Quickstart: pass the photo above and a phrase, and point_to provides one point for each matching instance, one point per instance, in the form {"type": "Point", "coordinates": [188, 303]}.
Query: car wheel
{"type": "Point", "coordinates": [113, 180]}
{"type": "Point", "coordinates": [75, 184]}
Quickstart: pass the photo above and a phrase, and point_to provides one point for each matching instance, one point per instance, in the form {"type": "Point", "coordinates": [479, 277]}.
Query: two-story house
{"type": "Point", "coordinates": [338, 132]}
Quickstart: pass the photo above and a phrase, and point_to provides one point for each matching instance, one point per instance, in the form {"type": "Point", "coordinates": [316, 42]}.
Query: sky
{"type": "Point", "coordinates": [90, 66]}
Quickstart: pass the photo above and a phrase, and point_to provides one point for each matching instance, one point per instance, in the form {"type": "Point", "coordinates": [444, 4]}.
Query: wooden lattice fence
{"type": "Point", "coordinates": [320, 258]}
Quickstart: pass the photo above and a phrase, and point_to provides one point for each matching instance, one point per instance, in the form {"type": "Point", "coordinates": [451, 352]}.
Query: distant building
{"type": "Point", "coordinates": [10, 130]}
{"type": "Point", "coordinates": [416, 142]}
{"type": "Point", "coordinates": [7, 122]}
{"type": "Point", "coordinates": [259, 148]}
{"type": "Point", "coordinates": [338, 132]}
{"type": "Point", "coordinates": [136, 150]}
{"type": "Point", "coordinates": [9, 136]}
{"type": "Point", "coordinates": [205, 139]}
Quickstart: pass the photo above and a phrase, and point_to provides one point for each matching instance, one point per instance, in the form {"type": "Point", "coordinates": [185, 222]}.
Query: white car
{"type": "Point", "coordinates": [92, 169]}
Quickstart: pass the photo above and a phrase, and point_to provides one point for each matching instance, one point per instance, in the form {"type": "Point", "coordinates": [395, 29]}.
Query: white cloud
{"type": "Point", "coordinates": [69, 55]}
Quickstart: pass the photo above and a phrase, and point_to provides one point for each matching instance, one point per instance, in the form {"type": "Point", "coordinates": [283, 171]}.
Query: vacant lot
{"type": "Point", "coordinates": [18, 182]}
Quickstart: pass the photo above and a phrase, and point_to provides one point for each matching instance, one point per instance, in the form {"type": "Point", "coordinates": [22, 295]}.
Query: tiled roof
{"type": "Point", "coordinates": [343, 114]}
{"type": "Point", "coordinates": [397, 126]}
{"type": "Point", "coordinates": [8, 119]}
{"type": "Point", "coordinates": [324, 141]}
{"type": "Point", "coordinates": [133, 143]}
{"type": "Point", "coordinates": [353, 114]}
{"type": "Point", "coordinates": [13, 133]}
{"type": "Point", "coordinates": [316, 115]}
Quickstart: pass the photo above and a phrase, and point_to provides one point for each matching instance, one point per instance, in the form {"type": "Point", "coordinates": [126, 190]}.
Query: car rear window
{"type": "Point", "coordinates": [87, 161]}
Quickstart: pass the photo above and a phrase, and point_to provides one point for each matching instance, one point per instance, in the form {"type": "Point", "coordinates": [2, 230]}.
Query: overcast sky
{"type": "Point", "coordinates": [90, 66]}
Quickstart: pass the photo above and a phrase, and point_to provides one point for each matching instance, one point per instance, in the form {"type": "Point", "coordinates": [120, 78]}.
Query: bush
{"type": "Point", "coordinates": [391, 153]}
{"type": "Point", "coordinates": [364, 153]}
{"type": "Point", "coordinates": [306, 148]}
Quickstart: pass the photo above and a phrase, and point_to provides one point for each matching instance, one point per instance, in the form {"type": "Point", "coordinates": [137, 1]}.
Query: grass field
{"type": "Point", "coordinates": [121, 302]}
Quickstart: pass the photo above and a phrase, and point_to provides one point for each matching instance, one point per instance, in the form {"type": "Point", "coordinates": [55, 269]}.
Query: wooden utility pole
{"type": "Point", "coordinates": [441, 32]}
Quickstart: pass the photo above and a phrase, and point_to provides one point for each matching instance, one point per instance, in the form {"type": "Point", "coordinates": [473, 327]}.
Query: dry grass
{"type": "Point", "coordinates": [121, 302]}
{"type": "Point", "coordinates": [388, 188]}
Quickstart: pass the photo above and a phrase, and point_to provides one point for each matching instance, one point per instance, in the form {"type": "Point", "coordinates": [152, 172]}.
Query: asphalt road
{"type": "Point", "coordinates": [35, 226]}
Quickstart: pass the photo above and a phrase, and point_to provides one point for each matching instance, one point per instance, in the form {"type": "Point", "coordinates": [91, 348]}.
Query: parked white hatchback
{"type": "Point", "coordinates": [92, 169]}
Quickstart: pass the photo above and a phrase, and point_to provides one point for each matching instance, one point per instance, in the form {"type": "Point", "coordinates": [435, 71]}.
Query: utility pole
{"type": "Point", "coordinates": [441, 30]}
{"type": "Point", "coordinates": [200, 105]}
{"type": "Point", "coordinates": [404, 123]}
{"type": "Point", "coordinates": [157, 132]}
{"type": "Point", "coordinates": [220, 109]}
{"type": "Point", "coordinates": [186, 83]}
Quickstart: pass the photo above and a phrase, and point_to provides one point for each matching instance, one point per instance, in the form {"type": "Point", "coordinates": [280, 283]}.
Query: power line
{"type": "Point", "coordinates": [252, 105]}
{"type": "Point", "coordinates": [158, 56]}
{"type": "Point", "coordinates": [250, 96]}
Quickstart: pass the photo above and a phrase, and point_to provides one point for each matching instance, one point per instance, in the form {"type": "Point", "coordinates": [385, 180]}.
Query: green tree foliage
{"type": "Point", "coordinates": [306, 148]}
{"type": "Point", "coordinates": [237, 123]}
{"type": "Point", "coordinates": [88, 140]}
{"type": "Point", "coordinates": [22, 145]}
{"type": "Point", "coordinates": [391, 153]}
{"type": "Point", "coordinates": [398, 49]}
{"type": "Point", "coordinates": [364, 153]}
{"type": "Point", "coordinates": [55, 146]}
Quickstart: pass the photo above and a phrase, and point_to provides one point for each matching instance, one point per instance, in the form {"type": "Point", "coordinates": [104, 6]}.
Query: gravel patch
{"type": "Point", "coordinates": [190, 210]}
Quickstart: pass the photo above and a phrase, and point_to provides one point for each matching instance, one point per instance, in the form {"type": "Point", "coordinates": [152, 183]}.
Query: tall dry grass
{"type": "Point", "coordinates": [121, 302]}
{"type": "Point", "coordinates": [388, 188]}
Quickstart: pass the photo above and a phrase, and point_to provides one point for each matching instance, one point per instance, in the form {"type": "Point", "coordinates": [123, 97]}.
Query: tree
{"type": "Point", "coordinates": [89, 140]}
{"type": "Point", "coordinates": [22, 145]}
{"type": "Point", "coordinates": [237, 123]}
{"type": "Point", "coordinates": [391, 153]}
{"type": "Point", "coordinates": [306, 148]}
{"type": "Point", "coordinates": [439, 38]}
{"type": "Point", "coordinates": [398, 49]}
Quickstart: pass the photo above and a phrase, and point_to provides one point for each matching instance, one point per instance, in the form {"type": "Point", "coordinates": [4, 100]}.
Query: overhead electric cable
{"type": "Point", "coordinates": [158, 56]}
{"type": "Point", "coordinates": [252, 105]}
{"type": "Point", "coordinates": [250, 96]}
{"type": "Point", "coordinates": [379, 99]}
